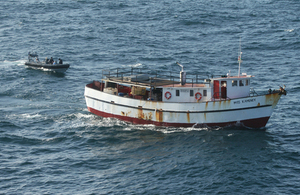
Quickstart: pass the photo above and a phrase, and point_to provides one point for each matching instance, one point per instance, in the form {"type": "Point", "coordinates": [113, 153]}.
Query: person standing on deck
{"type": "Point", "coordinates": [51, 60]}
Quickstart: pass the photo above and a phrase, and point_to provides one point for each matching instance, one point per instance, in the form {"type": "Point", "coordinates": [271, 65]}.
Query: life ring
{"type": "Point", "coordinates": [198, 96]}
{"type": "Point", "coordinates": [168, 95]}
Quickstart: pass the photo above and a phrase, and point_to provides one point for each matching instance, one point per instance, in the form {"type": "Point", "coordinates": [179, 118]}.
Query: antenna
{"type": "Point", "coordinates": [240, 57]}
{"type": "Point", "coordinates": [180, 65]}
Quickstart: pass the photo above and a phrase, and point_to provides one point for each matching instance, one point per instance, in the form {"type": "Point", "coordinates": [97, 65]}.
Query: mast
{"type": "Point", "coordinates": [240, 58]}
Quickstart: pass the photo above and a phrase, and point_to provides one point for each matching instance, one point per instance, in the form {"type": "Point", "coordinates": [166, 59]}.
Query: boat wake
{"type": "Point", "coordinates": [12, 63]}
{"type": "Point", "coordinates": [21, 62]}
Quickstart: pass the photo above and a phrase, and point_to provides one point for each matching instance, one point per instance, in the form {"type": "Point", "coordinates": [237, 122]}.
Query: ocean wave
{"type": "Point", "coordinates": [8, 125]}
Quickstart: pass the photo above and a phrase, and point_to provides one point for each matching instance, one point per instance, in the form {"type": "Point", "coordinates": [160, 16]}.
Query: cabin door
{"type": "Point", "coordinates": [224, 89]}
{"type": "Point", "coordinates": [216, 89]}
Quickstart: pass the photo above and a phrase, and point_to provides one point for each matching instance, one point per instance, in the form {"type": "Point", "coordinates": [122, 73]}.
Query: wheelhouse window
{"type": "Point", "coordinates": [191, 93]}
{"type": "Point", "coordinates": [241, 83]}
{"type": "Point", "coordinates": [205, 92]}
{"type": "Point", "coordinates": [247, 82]}
{"type": "Point", "coordinates": [177, 93]}
{"type": "Point", "coordinates": [234, 83]}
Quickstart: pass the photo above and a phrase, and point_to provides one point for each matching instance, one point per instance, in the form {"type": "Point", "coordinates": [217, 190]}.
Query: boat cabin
{"type": "Point", "coordinates": [231, 87]}
{"type": "Point", "coordinates": [153, 88]}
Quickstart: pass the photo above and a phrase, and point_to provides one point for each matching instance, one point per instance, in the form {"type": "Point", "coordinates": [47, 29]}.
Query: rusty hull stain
{"type": "Point", "coordinates": [220, 104]}
{"type": "Point", "coordinates": [149, 116]}
{"type": "Point", "coordinates": [140, 113]}
{"type": "Point", "coordinates": [125, 113]}
{"type": "Point", "coordinates": [272, 99]}
{"type": "Point", "coordinates": [188, 117]}
{"type": "Point", "coordinates": [228, 103]}
{"type": "Point", "coordinates": [159, 115]}
{"type": "Point", "coordinates": [206, 105]}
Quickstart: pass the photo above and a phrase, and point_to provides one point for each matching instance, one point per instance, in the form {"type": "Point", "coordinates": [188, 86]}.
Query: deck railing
{"type": "Point", "coordinates": [174, 76]}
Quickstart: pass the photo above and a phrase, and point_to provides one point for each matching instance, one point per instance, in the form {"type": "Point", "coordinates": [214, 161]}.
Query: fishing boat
{"type": "Point", "coordinates": [48, 64]}
{"type": "Point", "coordinates": [146, 97]}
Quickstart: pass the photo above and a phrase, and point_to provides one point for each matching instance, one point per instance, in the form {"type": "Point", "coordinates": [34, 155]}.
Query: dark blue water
{"type": "Point", "coordinates": [51, 144]}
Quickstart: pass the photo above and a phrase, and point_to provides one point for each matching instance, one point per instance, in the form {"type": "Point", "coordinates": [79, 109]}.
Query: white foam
{"type": "Point", "coordinates": [133, 65]}
{"type": "Point", "coordinates": [20, 62]}
{"type": "Point", "coordinates": [25, 116]}
{"type": "Point", "coordinates": [165, 130]}
{"type": "Point", "coordinates": [289, 30]}
{"type": "Point", "coordinates": [12, 63]}
{"type": "Point", "coordinates": [85, 116]}
{"type": "Point", "coordinates": [181, 129]}
{"type": "Point", "coordinates": [76, 120]}
{"type": "Point", "coordinates": [31, 116]}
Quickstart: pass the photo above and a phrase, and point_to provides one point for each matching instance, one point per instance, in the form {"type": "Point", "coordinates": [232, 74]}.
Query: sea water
{"type": "Point", "coordinates": [51, 144]}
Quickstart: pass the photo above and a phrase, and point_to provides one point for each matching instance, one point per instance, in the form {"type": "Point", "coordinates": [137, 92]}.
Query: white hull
{"type": "Point", "coordinates": [253, 111]}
